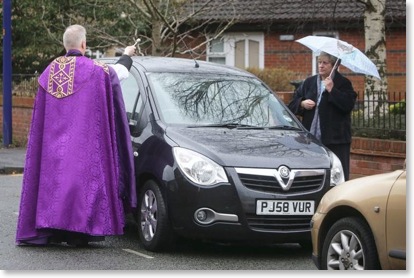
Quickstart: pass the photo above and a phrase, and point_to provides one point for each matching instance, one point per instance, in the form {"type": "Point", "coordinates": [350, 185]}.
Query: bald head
{"type": "Point", "coordinates": [75, 38]}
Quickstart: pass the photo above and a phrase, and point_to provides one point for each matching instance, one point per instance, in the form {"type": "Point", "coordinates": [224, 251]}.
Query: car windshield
{"type": "Point", "coordinates": [217, 100]}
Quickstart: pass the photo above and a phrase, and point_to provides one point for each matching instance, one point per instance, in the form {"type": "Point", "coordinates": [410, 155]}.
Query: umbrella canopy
{"type": "Point", "coordinates": [350, 56]}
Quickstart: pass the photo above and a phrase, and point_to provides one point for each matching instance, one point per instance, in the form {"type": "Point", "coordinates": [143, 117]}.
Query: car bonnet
{"type": "Point", "coordinates": [252, 148]}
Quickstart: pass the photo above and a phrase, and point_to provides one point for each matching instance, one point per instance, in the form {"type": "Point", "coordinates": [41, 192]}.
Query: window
{"type": "Point", "coordinates": [129, 92]}
{"type": "Point", "coordinates": [216, 51]}
{"type": "Point", "coordinates": [241, 50]}
{"type": "Point", "coordinates": [131, 88]}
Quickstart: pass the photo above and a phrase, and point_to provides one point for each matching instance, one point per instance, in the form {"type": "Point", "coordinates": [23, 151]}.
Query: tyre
{"type": "Point", "coordinates": [349, 245]}
{"type": "Point", "coordinates": [155, 231]}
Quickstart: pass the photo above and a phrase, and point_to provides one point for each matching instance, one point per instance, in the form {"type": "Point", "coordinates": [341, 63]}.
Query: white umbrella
{"type": "Point", "coordinates": [350, 56]}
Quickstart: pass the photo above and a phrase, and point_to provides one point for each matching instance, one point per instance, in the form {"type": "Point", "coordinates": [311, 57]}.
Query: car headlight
{"type": "Point", "coordinates": [337, 173]}
{"type": "Point", "coordinates": [199, 168]}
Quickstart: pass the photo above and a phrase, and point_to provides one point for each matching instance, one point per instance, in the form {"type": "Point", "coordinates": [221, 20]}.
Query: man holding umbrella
{"type": "Point", "coordinates": [325, 102]}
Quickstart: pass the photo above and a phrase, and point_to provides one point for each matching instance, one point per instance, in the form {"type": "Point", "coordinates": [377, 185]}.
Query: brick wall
{"type": "Point", "coordinates": [374, 156]}
{"type": "Point", "coordinates": [368, 156]}
{"type": "Point", "coordinates": [21, 118]}
{"type": "Point", "coordinates": [296, 57]}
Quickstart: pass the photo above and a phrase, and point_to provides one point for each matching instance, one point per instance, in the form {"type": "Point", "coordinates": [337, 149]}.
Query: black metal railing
{"type": "Point", "coordinates": [380, 116]}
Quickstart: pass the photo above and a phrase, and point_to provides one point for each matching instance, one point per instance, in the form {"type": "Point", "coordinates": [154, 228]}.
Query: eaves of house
{"type": "Point", "coordinates": [268, 12]}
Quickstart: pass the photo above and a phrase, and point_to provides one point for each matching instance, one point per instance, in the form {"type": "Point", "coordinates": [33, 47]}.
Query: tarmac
{"type": "Point", "coordinates": [12, 160]}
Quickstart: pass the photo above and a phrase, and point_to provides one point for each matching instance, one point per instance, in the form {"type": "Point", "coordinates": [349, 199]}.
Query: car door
{"type": "Point", "coordinates": [396, 224]}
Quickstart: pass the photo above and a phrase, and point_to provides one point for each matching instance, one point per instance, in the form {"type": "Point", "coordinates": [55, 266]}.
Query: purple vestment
{"type": "Point", "coordinates": [79, 173]}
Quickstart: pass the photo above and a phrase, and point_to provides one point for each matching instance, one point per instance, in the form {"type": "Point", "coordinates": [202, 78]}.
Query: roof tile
{"type": "Point", "coordinates": [283, 10]}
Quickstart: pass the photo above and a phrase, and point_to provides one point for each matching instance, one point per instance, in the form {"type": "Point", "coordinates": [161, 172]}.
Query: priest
{"type": "Point", "coordinates": [78, 180]}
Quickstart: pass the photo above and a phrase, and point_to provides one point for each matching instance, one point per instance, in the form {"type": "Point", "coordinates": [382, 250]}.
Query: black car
{"type": "Point", "coordinates": [219, 157]}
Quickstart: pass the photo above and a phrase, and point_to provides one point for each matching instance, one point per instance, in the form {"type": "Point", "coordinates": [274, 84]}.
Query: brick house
{"type": "Point", "coordinates": [265, 32]}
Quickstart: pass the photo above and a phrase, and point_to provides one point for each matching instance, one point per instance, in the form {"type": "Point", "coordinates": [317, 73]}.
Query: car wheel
{"type": "Point", "coordinates": [155, 230]}
{"type": "Point", "coordinates": [349, 244]}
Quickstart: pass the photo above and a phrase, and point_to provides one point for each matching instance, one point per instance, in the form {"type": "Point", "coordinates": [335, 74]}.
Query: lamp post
{"type": "Point", "coordinates": [7, 74]}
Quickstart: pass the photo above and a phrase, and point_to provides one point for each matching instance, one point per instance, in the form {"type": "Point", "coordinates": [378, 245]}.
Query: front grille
{"type": "Point", "coordinates": [279, 223]}
{"type": "Point", "coordinates": [265, 180]}
{"type": "Point", "coordinates": [286, 182]}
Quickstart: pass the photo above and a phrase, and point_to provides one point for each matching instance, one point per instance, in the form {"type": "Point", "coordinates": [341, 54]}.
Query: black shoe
{"type": "Point", "coordinates": [78, 242]}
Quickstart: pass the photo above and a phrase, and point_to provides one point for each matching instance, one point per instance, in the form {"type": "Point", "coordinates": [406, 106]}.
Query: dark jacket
{"type": "Point", "coordinates": [334, 108]}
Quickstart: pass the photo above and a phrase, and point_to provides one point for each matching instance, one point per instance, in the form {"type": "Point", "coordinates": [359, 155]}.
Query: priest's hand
{"type": "Point", "coordinates": [130, 50]}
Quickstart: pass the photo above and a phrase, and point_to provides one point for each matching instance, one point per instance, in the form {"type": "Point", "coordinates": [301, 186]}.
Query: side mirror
{"type": "Point", "coordinates": [133, 128]}
{"type": "Point", "coordinates": [136, 127]}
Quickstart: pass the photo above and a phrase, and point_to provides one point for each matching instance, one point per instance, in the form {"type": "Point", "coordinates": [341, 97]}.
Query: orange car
{"type": "Point", "coordinates": [361, 224]}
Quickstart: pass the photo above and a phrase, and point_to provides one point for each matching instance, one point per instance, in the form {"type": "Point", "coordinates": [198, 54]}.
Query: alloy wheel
{"type": "Point", "coordinates": [148, 219]}
{"type": "Point", "coordinates": [345, 252]}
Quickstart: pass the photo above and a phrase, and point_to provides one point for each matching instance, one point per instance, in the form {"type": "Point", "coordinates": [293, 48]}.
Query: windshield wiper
{"type": "Point", "coordinates": [244, 126]}
{"type": "Point", "coordinates": [228, 125]}
{"type": "Point", "coordinates": [284, 127]}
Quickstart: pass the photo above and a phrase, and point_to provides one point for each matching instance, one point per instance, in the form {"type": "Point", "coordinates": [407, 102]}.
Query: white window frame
{"type": "Point", "coordinates": [314, 54]}
{"type": "Point", "coordinates": [230, 40]}
{"type": "Point", "coordinates": [94, 55]}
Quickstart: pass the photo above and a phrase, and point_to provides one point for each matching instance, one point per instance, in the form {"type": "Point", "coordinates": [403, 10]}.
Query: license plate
{"type": "Point", "coordinates": [291, 207]}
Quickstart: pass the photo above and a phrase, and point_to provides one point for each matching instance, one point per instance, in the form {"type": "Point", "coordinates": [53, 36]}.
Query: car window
{"type": "Point", "coordinates": [138, 108]}
{"type": "Point", "coordinates": [129, 91]}
{"type": "Point", "coordinates": [185, 98]}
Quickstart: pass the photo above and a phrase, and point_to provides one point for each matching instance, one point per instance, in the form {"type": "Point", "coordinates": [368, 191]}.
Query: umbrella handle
{"type": "Point", "coordinates": [337, 63]}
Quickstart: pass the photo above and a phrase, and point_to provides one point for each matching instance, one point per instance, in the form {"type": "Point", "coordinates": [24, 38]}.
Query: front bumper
{"type": "Point", "coordinates": [230, 211]}
{"type": "Point", "coordinates": [316, 261]}
{"type": "Point", "coordinates": [315, 228]}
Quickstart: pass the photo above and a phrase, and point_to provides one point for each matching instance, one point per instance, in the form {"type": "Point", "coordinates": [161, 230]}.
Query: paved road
{"type": "Point", "coordinates": [12, 160]}
{"type": "Point", "coordinates": [125, 252]}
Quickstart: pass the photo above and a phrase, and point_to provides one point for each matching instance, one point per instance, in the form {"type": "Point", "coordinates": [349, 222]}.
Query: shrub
{"type": "Point", "coordinates": [278, 79]}
{"type": "Point", "coordinates": [398, 108]}
{"type": "Point", "coordinates": [25, 87]}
